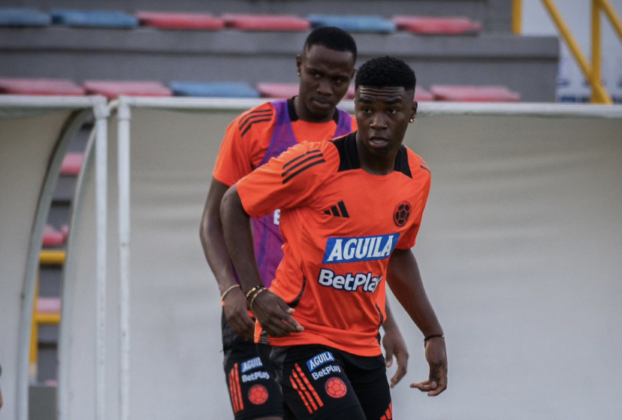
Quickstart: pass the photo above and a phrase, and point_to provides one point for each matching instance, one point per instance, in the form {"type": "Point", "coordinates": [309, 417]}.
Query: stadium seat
{"type": "Point", "coordinates": [473, 94]}
{"type": "Point", "coordinates": [18, 17]}
{"type": "Point", "coordinates": [277, 90]}
{"type": "Point", "coordinates": [39, 87]}
{"type": "Point", "coordinates": [48, 305]}
{"type": "Point", "coordinates": [93, 19]}
{"type": "Point", "coordinates": [437, 26]}
{"type": "Point", "coordinates": [376, 24]}
{"type": "Point", "coordinates": [266, 22]}
{"type": "Point", "coordinates": [111, 89]}
{"type": "Point", "coordinates": [215, 90]}
{"type": "Point", "coordinates": [52, 237]}
{"type": "Point", "coordinates": [188, 21]}
{"type": "Point", "coordinates": [64, 229]}
{"type": "Point", "coordinates": [72, 164]}
{"type": "Point", "coordinates": [422, 95]}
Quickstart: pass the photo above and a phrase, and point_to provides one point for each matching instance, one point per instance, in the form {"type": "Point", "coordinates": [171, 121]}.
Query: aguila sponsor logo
{"type": "Point", "coordinates": [366, 248]}
{"type": "Point", "coordinates": [251, 364]}
{"type": "Point", "coordinates": [319, 360]}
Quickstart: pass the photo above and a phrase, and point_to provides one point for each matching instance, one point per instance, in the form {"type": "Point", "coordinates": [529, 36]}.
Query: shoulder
{"type": "Point", "coordinates": [318, 158]}
{"type": "Point", "coordinates": [260, 117]}
{"type": "Point", "coordinates": [419, 169]}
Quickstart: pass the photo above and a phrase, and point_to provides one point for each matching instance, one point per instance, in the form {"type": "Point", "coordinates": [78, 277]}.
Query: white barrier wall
{"type": "Point", "coordinates": [519, 249]}
{"type": "Point", "coordinates": [34, 134]}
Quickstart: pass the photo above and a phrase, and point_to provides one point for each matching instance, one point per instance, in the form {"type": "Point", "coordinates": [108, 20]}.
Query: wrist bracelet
{"type": "Point", "coordinates": [226, 292]}
{"type": "Point", "coordinates": [255, 297]}
{"type": "Point", "coordinates": [253, 290]}
{"type": "Point", "coordinates": [429, 337]}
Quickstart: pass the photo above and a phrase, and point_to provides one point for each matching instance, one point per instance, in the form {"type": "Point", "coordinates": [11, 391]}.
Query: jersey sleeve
{"type": "Point", "coordinates": [240, 145]}
{"type": "Point", "coordinates": [289, 180]}
{"type": "Point", "coordinates": [409, 238]}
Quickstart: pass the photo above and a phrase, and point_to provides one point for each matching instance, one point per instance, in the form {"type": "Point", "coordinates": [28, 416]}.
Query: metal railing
{"type": "Point", "coordinates": [592, 71]}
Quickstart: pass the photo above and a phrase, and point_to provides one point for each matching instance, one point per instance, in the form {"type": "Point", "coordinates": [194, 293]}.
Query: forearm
{"type": "Point", "coordinates": [389, 322]}
{"type": "Point", "coordinates": [405, 281]}
{"type": "Point", "coordinates": [238, 237]}
{"type": "Point", "coordinates": [213, 239]}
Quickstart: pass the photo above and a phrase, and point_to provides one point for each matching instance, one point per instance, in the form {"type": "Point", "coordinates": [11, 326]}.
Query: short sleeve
{"type": "Point", "coordinates": [289, 180]}
{"type": "Point", "coordinates": [409, 238]}
{"type": "Point", "coordinates": [244, 143]}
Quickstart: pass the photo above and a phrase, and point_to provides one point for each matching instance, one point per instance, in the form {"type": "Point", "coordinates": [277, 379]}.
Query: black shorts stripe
{"type": "Point", "coordinates": [253, 122]}
{"type": "Point", "coordinates": [334, 210]}
{"type": "Point", "coordinates": [342, 207]}
{"type": "Point", "coordinates": [317, 162]}
{"type": "Point", "coordinates": [301, 156]}
{"type": "Point", "coordinates": [244, 120]}
{"type": "Point", "coordinates": [301, 163]}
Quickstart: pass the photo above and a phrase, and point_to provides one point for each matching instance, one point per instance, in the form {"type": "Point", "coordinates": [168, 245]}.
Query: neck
{"type": "Point", "coordinates": [374, 164]}
{"type": "Point", "coordinates": [304, 114]}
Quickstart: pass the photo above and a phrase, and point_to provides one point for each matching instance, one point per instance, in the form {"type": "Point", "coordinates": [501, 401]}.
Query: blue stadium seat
{"type": "Point", "coordinates": [93, 19]}
{"type": "Point", "coordinates": [215, 90]}
{"type": "Point", "coordinates": [23, 17]}
{"type": "Point", "coordinates": [371, 23]}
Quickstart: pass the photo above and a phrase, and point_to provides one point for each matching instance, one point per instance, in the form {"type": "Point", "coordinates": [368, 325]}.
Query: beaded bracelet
{"type": "Point", "coordinates": [253, 290]}
{"type": "Point", "coordinates": [255, 297]}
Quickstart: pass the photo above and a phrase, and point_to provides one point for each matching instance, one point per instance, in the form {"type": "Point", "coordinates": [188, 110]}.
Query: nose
{"type": "Point", "coordinates": [324, 88]}
{"type": "Point", "coordinates": [378, 121]}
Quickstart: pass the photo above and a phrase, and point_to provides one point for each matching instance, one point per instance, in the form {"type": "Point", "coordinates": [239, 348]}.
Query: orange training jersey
{"type": "Point", "coordinates": [247, 139]}
{"type": "Point", "coordinates": [340, 225]}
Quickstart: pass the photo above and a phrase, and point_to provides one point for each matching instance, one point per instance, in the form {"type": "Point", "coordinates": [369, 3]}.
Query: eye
{"type": "Point", "coordinates": [317, 75]}
{"type": "Point", "coordinates": [338, 80]}
{"type": "Point", "coordinates": [392, 111]}
{"type": "Point", "coordinates": [366, 110]}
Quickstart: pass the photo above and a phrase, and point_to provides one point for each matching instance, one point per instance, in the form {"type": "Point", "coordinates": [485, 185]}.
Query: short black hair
{"type": "Point", "coordinates": [386, 72]}
{"type": "Point", "coordinates": [332, 38]}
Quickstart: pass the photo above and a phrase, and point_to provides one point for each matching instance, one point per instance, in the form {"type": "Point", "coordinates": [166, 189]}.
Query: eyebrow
{"type": "Point", "coordinates": [388, 102]}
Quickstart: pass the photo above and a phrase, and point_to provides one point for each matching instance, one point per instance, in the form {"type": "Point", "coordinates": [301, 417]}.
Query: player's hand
{"type": "Point", "coordinates": [394, 345]}
{"type": "Point", "coordinates": [436, 356]}
{"type": "Point", "coordinates": [274, 315]}
{"type": "Point", "coordinates": [236, 313]}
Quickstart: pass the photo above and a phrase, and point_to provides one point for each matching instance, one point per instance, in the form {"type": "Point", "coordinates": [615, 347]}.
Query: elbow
{"type": "Point", "coordinates": [231, 209]}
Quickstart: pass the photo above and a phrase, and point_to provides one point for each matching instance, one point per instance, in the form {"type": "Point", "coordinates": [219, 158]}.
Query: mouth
{"type": "Point", "coordinates": [378, 142]}
{"type": "Point", "coordinates": [320, 103]}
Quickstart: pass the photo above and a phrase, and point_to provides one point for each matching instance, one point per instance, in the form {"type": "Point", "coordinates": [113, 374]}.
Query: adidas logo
{"type": "Point", "coordinates": [338, 210]}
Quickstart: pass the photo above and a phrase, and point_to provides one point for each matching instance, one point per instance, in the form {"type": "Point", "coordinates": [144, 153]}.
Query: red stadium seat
{"type": "Point", "coordinates": [72, 164]}
{"type": "Point", "coordinates": [266, 22]}
{"type": "Point", "coordinates": [48, 305]}
{"type": "Point", "coordinates": [64, 229]}
{"type": "Point", "coordinates": [40, 87]}
{"type": "Point", "coordinates": [437, 26]}
{"type": "Point", "coordinates": [111, 89]}
{"type": "Point", "coordinates": [166, 20]}
{"type": "Point", "coordinates": [474, 94]}
{"type": "Point", "coordinates": [422, 95]}
{"type": "Point", "coordinates": [52, 237]}
{"type": "Point", "coordinates": [277, 90]}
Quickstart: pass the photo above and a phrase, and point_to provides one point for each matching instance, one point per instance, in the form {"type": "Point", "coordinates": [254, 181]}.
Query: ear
{"type": "Point", "coordinates": [413, 110]}
{"type": "Point", "coordinates": [298, 64]}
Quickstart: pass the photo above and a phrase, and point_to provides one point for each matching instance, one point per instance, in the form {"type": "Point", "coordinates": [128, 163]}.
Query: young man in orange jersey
{"type": "Point", "coordinates": [325, 68]}
{"type": "Point", "coordinates": [318, 323]}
